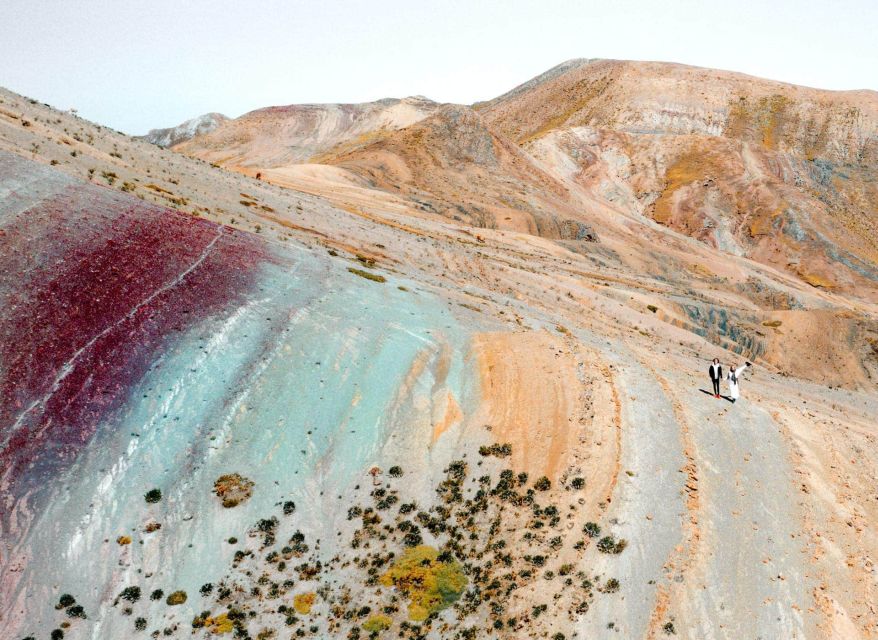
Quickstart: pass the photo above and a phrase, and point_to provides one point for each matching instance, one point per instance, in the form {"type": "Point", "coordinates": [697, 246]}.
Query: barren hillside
{"type": "Point", "coordinates": [296, 133]}
{"type": "Point", "coordinates": [447, 380]}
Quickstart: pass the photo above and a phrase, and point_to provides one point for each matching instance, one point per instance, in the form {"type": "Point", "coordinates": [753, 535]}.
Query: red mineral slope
{"type": "Point", "coordinates": [94, 284]}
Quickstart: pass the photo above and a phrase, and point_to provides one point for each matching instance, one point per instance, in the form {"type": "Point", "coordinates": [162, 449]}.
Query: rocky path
{"type": "Point", "coordinates": [751, 577]}
{"type": "Point", "coordinates": [648, 508]}
{"type": "Point", "coordinates": [706, 502]}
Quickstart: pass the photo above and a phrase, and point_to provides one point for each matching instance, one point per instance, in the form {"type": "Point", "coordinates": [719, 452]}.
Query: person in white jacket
{"type": "Point", "coordinates": [734, 376]}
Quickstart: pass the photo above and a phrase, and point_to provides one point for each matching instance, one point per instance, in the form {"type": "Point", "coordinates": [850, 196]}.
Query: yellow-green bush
{"type": "Point", "coordinates": [430, 584]}
{"type": "Point", "coordinates": [303, 602]}
{"type": "Point", "coordinates": [377, 622]}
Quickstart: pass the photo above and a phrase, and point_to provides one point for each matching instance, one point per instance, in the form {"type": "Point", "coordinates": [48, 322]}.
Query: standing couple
{"type": "Point", "coordinates": [716, 374]}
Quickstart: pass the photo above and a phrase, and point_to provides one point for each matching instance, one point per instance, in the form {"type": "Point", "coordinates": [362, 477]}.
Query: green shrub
{"type": "Point", "coordinates": [608, 544]}
{"type": "Point", "coordinates": [76, 611]}
{"type": "Point", "coordinates": [374, 277]}
{"type": "Point", "coordinates": [131, 594]}
{"type": "Point", "coordinates": [66, 600]}
{"type": "Point", "coordinates": [378, 622]}
{"type": "Point", "coordinates": [498, 450]}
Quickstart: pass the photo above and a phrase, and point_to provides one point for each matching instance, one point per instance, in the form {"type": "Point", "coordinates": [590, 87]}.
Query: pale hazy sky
{"type": "Point", "coordinates": [139, 65]}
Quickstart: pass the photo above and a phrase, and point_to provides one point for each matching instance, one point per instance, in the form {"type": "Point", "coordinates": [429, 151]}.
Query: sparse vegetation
{"type": "Point", "coordinates": [608, 544]}
{"type": "Point", "coordinates": [130, 594]}
{"type": "Point", "coordinates": [233, 489]}
{"type": "Point", "coordinates": [377, 623]}
{"type": "Point", "coordinates": [302, 602]}
{"type": "Point", "coordinates": [430, 582]}
{"type": "Point", "coordinates": [498, 450]}
{"type": "Point", "coordinates": [374, 277]}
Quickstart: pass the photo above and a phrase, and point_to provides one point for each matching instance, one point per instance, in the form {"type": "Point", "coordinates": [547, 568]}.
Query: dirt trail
{"type": "Point", "coordinates": [706, 501]}
{"type": "Point", "coordinates": [648, 507]}
{"type": "Point", "coordinates": [751, 578]}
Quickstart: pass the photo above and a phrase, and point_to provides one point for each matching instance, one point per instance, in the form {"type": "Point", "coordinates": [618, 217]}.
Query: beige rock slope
{"type": "Point", "coordinates": [780, 173]}
{"type": "Point", "coordinates": [276, 136]}
{"type": "Point", "coordinates": [589, 349]}
{"type": "Point", "coordinates": [638, 156]}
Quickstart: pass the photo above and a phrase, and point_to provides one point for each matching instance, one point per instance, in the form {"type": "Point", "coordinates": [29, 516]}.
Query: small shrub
{"type": "Point", "coordinates": [669, 629]}
{"type": "Point", "coordinates": [66, 600]}
{"type": "Point", "coordinates": [395, 472]}
{"type": "Point", "coordinates": [131, 594]}
{"type": "Point", "coordinates": [429, 583]}
{"type": "Point", "coordinates": [592, 529]}
{"type": "Point", "coordinates": [178, 597]}
{"type": "Point", "coordinates": [153, 495]}
{"type": "Point", "coordinates": [302, 602]}
{"type": "Point", "coordinates": [156, 595]}
{"type": "Point", "coordinates": [543, 484]}
{"type": "Point", "coordinates": [498, 450]}
{"type": "Point", "coordinates": [140, 624]}
{"type": "Point", "coordinates": [377, 623]}
{"type": "Point", "coordinates": [233, 489]}
{"type": "Point", "coordinates": [289, 507]}
{"type": "Point", "coordinates": [76, 611]}
{"type": "Point", "coordinates": [611, 586]}
{"type": "Point", "coordinates": [374, 277]}
{"type": "Point", "coordinates": [652, 307]}
{"type": "Point", "coordinates": [608, 544]}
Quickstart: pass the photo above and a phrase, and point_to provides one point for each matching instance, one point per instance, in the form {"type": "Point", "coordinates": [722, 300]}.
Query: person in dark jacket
{"type": "Point", "coordinates": [716, 374]}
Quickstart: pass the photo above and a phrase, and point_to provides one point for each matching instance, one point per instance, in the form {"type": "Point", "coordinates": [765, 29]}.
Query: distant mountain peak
{"type": "Point", "coordinates": [184, 131]}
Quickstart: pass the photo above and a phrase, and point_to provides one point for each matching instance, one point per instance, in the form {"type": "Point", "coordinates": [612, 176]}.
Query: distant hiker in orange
{"type": "Point", "coordinates": [716, 374]}
{"type": "Point", "coordinates": [733, 377]}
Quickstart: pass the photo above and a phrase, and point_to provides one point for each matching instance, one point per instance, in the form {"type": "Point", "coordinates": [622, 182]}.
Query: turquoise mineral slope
{"type": "Point", "coordinates": [301, 383]}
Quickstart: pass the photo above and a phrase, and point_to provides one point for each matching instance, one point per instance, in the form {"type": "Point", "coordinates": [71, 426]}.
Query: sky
{"type": "Point", "coordinates": [141, 65]}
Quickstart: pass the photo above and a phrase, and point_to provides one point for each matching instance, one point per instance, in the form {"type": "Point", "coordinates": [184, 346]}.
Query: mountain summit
{"type": "Point", "coordinates": [171, 136]}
